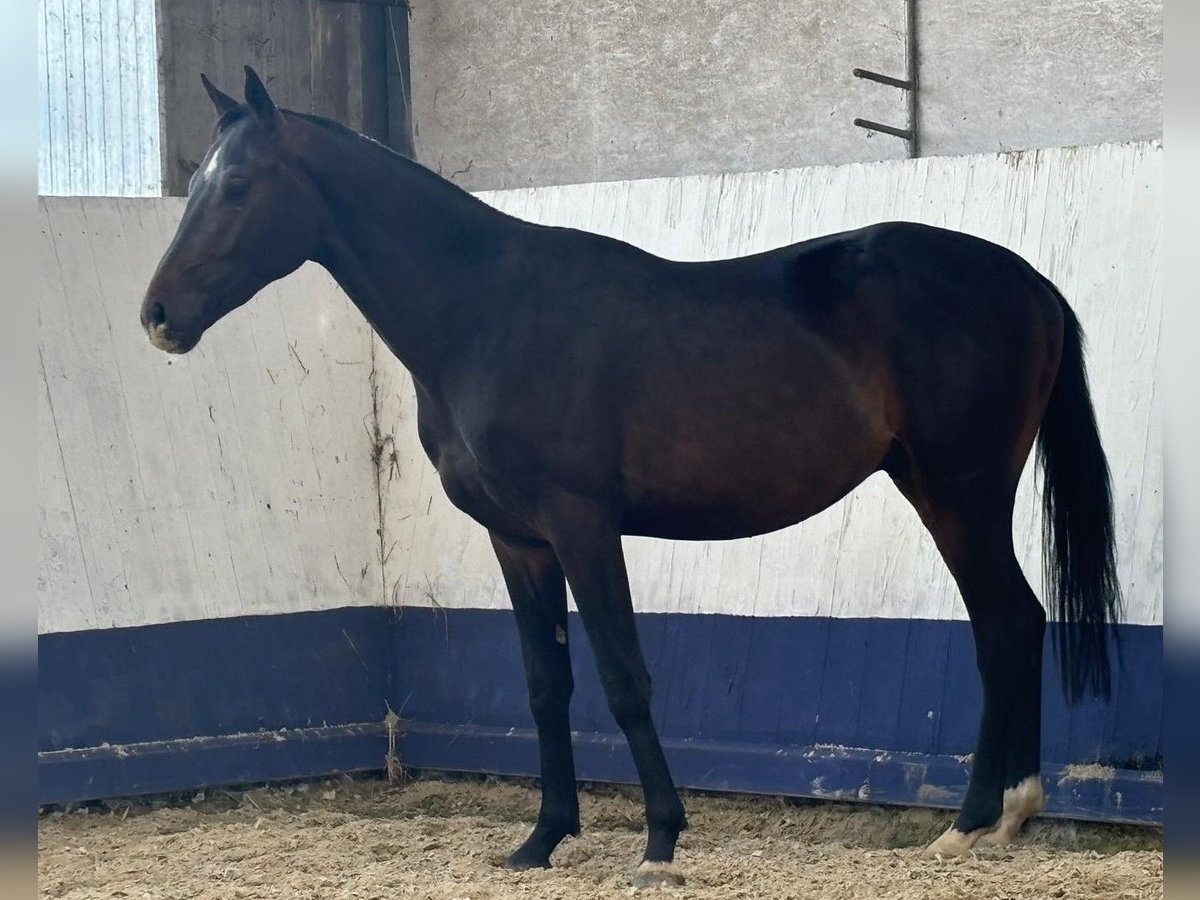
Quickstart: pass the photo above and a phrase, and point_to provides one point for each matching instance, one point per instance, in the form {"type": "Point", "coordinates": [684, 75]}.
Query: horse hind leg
{"type": "Point", "coordinates": [971, 522]}
{"type": "Point", "coordinates": [1024, 796]}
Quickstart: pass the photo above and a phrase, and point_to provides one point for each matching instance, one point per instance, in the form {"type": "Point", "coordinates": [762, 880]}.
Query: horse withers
{"type": "Point", "coordinates": [573, 389]}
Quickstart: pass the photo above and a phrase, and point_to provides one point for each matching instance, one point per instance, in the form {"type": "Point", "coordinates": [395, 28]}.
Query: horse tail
{"type": "Point", "coordinates": [1077, 526]}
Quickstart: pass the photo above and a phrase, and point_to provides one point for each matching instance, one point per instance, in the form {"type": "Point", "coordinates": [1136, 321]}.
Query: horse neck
{"type": "Point", "coordinates": [410, 249]}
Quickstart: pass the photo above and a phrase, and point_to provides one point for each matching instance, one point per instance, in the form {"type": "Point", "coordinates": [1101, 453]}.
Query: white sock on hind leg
{"type": "Point", "coordinates": [1023, 800]}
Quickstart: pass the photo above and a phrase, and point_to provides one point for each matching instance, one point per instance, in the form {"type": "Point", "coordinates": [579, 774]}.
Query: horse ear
{"type": "Point", "coordinates": [258, 99]}
{"type": "Point", "coordinates": [222, 101]}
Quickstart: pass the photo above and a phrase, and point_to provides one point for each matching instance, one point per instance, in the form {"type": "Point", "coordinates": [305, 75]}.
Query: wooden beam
{"type": "Point", "coordinates": [336, 58]}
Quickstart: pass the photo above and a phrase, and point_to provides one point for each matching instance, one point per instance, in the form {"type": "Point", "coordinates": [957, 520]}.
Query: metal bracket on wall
{"type": "Point", "coordinates": [911, 134]}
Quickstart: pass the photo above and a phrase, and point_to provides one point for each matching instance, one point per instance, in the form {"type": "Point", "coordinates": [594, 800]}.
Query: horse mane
{"type": "Point", "coordinates": [410, 165]}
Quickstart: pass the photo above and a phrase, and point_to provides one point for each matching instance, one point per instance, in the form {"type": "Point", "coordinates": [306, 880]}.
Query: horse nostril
{"type": "Point", "coordinates": [158, 315]}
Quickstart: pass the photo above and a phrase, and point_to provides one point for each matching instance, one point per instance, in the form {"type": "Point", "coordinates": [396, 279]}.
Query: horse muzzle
{"type": "Point", "coordinates": [161, 333]}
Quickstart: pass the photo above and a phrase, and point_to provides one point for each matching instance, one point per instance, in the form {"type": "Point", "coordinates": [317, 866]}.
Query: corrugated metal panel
{"type": "Point", "coordinates": [98, 96]}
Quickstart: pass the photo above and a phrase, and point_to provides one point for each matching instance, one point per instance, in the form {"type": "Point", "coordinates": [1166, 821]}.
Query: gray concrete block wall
{"type": "Point", "coordinates": [534, 92]}
{"type": "Point", "coordinates": [1028, 73]}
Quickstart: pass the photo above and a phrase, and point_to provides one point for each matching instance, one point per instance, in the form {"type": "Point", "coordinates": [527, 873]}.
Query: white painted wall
{"type": "Point", "coordinates": [233, 480]}
{"type": "Point", "coordinates": [1089, 218]}
{"type": "Point", "coordinates": [155, 472]}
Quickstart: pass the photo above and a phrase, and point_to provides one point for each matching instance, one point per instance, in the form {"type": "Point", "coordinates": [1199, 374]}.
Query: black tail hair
{"type": "Point", "coordinates": [1077, 526]}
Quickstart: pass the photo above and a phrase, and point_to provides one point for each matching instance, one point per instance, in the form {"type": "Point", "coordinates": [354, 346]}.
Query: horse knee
{"type": "Point", "coordinates": [667, 814]}
{"type": "Point", "coordinates": [630, 706]}
{"type": "Point", "coordinates": [980, 811]}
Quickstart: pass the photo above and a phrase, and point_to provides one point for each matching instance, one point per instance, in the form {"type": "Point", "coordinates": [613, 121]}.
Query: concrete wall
{"type": "Point", "coordinates": [1025, 73]}
{"type": "Point", "coordinates": [536, 92]}
{"type": "Point", "coordinates": [234, 480]}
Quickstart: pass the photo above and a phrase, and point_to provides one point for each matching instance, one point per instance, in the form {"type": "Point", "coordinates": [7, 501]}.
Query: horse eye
{"type": "Point", "coordinates": [235, 190]}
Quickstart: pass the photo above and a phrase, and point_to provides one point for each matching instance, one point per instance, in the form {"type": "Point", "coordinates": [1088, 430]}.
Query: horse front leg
{"type": "Point", "coordinates": [539, 600]}
{"type": "Point", "coordinates": [587, 542]}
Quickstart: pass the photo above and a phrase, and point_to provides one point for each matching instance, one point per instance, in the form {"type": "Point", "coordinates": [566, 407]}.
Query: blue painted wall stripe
{"type": "Point", "coordinates": [189, 764]}
{"type": "Point", "coordinates": [847, 774]}
{"type": "Point", "coordinates": [769, 680]}
{"type": "Point", "coordinates": [213, 677]}
{"type": "Point", "coordinates": [730, 693]}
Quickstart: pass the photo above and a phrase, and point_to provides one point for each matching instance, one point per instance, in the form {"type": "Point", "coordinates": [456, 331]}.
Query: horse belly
{"type": "Point", "coordinates": [719, 519]}
{"type": "Point", "coordinates": [751, 477]}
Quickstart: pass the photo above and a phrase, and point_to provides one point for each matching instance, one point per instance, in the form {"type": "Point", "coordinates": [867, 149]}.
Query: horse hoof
{"type": "Point", "coordinates": [656, 874]}
{"type": "Point", "coordinates": [952, 843]}
{"type": "Point", "coordinates": [519, 862]}
{"type": "Point", "coordinates": [1001, 837]}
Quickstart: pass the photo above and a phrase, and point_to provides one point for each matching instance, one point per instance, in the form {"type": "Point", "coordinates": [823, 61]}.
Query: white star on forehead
{"type": "Point", "coordinates": [212, 163]}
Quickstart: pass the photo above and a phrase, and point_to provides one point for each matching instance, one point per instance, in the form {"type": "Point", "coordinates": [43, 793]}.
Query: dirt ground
{"type": "Point", "coordinates": [440, 839]}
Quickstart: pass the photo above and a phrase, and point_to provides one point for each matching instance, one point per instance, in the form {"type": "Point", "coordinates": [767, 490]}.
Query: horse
{"type": "Point", "coordinates": [573, 388]}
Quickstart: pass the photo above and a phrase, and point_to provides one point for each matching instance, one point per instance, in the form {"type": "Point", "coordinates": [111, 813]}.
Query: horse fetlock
{"type": "Point", "coordinates": [660, 843]}
{"type": "Point", "coordinates": [527, 857]}
{"type": "Point", "coordinates": [1026, 798]}
{"type": "Point", "coordinates": [1021, 802]}
{"type": "Point", "coordinates": [670, 819]}
{"type": "Point", "coordinates": [559, 824]}
{"type": "Point", "coordinates": [979, 815]}
{"type": "Point", "coordinates": [546, 836]}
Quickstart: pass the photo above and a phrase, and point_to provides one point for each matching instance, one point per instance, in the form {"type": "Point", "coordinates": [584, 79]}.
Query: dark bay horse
{"type": "Point", "coordinates": [573, 388]}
